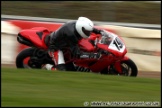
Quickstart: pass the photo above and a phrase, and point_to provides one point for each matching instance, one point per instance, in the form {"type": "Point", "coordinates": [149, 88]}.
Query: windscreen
{"type": "Point", "coordinates": [106, 38]}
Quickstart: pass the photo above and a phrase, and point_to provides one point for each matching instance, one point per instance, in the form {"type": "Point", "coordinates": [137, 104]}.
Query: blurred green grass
{"type": "Point", "coordinates": [38, 88]}
{"type": "Point", "coordinates": [128, 11]}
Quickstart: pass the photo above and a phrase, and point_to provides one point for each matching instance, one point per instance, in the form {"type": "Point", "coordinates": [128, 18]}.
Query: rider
{"type": "Point", "coordinates": [68, 35]}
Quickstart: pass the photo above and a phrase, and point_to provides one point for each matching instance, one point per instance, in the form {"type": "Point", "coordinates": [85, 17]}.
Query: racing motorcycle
{"type": "Point", "coordinates": [106, 56]}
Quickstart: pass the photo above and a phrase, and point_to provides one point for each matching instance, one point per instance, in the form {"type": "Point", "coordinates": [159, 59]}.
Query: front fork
{"type": "Point", "coordinates": [118, 66]}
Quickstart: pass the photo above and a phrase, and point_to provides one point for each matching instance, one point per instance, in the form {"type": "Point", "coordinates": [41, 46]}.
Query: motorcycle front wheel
{"type": "Point", "coordinates": [129, 68]}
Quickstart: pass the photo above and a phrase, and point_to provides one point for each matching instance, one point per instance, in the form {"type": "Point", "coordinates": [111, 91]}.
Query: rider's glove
{"type": "Point", "coordinates": [96, 31]}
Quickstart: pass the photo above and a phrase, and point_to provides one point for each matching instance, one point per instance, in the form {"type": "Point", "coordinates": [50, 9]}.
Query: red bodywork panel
{"type": "Point", "coordinates": [103, 62]}
{"type": "Point", "coordinates": [85, 45]}
{"type": "Point", "coordinates": [116, 53]}
{"type": "Point", "coordinates": [31, 34]}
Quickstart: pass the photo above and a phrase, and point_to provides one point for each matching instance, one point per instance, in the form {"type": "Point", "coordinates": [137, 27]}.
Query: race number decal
{"type": "Point", "coordinates": [118, 43]}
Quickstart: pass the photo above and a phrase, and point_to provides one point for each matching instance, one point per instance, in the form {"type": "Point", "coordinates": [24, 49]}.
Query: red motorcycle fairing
{"type": "Point", "coordinates": [96, 65]}
{"type": "Point", "coordinates": [36, 35]}
{"type": "Point", "coordinates": [101, 63]}
{"type": "Point", "coordinates": [85, 45]}
{"type": "Point", "coordinates": [85, 62]}
{"type": "Point", "coordinates": [104, 61]}
{"type": "Point", "coordinates": [116, 53]}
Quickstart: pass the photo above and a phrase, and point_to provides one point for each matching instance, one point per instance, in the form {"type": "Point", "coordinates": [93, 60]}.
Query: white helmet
{"type": "Point", "coordinates": [84, 26]}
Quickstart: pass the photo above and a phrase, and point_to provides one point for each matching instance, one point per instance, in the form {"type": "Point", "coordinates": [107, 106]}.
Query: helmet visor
{"type": "Point", "coordinates": [86, 32]}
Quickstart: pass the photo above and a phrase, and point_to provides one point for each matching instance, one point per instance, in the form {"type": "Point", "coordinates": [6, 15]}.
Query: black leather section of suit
{"type": "Point", "coordinates": [65, 36]}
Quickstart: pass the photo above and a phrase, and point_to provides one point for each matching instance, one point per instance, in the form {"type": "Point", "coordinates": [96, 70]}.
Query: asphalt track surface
{"type": "Point", "coordinates": [143, 74]}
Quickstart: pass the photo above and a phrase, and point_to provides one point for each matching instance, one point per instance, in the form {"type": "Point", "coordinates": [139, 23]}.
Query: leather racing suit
{"type": "Point", "coordinates": [65, 36]}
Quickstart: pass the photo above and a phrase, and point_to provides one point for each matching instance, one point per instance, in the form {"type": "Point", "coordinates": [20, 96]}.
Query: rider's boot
{"type": "Point", "coordinates": [48, 67]}
{"type": "Point", "coordinates": [60, 67]}
{"type": "Point", "coordinates": [58, 58]}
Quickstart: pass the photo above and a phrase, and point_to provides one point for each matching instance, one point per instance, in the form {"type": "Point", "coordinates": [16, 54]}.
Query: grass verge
{"type": "Point", "coordinates": [37, 88]}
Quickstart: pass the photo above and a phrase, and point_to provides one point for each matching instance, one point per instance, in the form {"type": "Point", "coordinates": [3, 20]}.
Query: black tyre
{"type": "Point", "coordinates": [129, 68]}
{"type": "Point", "coordinates": [30, 58]}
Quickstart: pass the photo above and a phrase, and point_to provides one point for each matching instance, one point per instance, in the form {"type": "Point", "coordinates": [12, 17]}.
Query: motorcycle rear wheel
{"type": "Point", "coordinates": [27, 59]}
